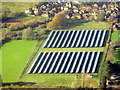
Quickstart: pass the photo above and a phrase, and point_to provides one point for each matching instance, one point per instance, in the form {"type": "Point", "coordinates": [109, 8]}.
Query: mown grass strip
{"type": "Point", "coordinates": [71, 49]}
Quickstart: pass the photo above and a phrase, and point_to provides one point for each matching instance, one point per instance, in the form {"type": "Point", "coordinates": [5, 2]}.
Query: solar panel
{"type": "Point", "coordinates": [86, 60]}
{"type": "Point", "coordinates": [61, 38]}
{"type": "Point", "coordinates": [54, 62]}
{"type": "Point", "coordinates": [59, 62]}
{"type": "Point", "coordinates": [84, 38]}
{"type": "Point", "coordinates": [80, 38]}
{"type": "Point", "coordinates": [49, 62]}
{"type": "Point", "coordinates": [66, 39]}
{"type": "Point", "coordinates": [93, 39]}
{"type": "Point", "coordinates": [98, 37]}
{"type": "Point", "coordinates": [44, 62]}
{"type": "Point", "coordinates": [90, 35]}
{"type": "Point", "coordinates": [96, 61]}
{"type": "Point", "coordinates": [65, 62]}
{"type": "Point", "coordinates": [69, 62]}
{"type": "Point", "coordinates": [80, 62]}
{"type": "Point", "coordinates": [70, 39]}
{"type": "Point", "coordinates": [75, 38]}
{"type": "Point", "coordinates": [52, 39]}
{"type": "Point", "coordinates": [90, 63]}
{"type": "Point", "coordinates": [103, 37]}
{"type": "Point", "coordinates": [74, 63]}
{"type": "Point", "coordinates": [48, 38]}
{"type": "Point", "coordinates": [39, 62]}
{"type": "Point", "coordinates": [56, 39]}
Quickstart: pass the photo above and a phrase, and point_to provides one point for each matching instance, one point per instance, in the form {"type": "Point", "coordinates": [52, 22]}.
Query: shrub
{"type": "Point", "coordinates": [41, 32]}
{"type": "Point", "coordinates": [18, 38]}
{"type": "Point", "coordinates": [104, 73]}
{"type": "Point", "coordinates": [27, 34]}
{"type": "Point", "coordinates": [16, 26]}
{"type": "Point", "coordinates": [5, 25]}
{"type": "Point", "coordinates": [58, 21]}
{"type": "Point", "coordinates": [101, 16]}
{"type": "Point", "coordinates": [31, 23]}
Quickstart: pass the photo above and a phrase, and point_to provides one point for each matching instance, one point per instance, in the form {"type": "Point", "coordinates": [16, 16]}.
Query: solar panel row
{"type": "Point", "coordinates": [84, 38]}
{"type": "Point", "coordinates": [66, 62]}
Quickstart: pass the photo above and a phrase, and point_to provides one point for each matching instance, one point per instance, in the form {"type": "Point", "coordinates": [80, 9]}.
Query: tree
{"type": "Point", "coordinates": [27, 34]}
{"type": "Point", "coordinates": [58, 21]}
{"type": "Point", "coordinates": [111, 20]}
{"type": "Point", "coordinates": [101, 16]}
{"type": "Point", "coordinates": [5, 13]}
{"type": "Point", "coordinates": [104, 73]}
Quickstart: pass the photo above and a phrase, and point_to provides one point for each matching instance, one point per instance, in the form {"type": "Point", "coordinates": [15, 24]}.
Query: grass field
{"type": "Point", "coordinates": [14, 57]}
{"type": "Point", "coordinates": [18, 6]}
{"type": "Point", "coordinates": [86, 25]}
{"type": "Point", "coordinates": [115, 36]}
{"type": "Point", "coordinates": [50, 79]}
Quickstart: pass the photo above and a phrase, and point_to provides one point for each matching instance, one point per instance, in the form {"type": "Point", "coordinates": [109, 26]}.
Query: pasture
{"type": "Point", "coordinates": [15, 55]}
{"type": "Point", "coordinates": [115, 36]}
{"type": "Point", "coordinates": [81, 24]}
{"type": "Point", "coordinates": [17, 6]}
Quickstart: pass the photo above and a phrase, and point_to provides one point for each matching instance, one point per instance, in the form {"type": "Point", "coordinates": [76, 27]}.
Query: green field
{"type": "Point", "coordinates": [18, 6]}
{"type": "Point", "coordinates": [115, 36]}
{"type": "Point", "coordinates": [15, 54]}
{"type": "Point", "coordinates": [81, 24]}
{"type": "Point", "coordinates": [51, 79]}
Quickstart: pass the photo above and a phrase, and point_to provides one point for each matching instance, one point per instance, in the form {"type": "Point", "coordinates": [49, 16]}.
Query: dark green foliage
{"type": "Point", "coordinates": [104, 73]}
{"type": "Point", "coordinates": [101, 16]}
{"type": "Point", "coordinates": [27, 34]}
{"type": "Point", "coordinates": [117, 54]}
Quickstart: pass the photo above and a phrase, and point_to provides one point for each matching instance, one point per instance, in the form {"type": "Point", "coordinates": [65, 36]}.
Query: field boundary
{"type": "Point", "coordinates": [32, 56]}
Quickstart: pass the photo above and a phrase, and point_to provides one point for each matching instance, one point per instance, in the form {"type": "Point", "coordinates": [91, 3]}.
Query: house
{"type": "Point", "coordinates": [111, 5]}
{"type": "Point", "coordinates": [45, 14]}
{"type": "Point", "coordinates": [69, 4]}
{"type": "Point", "coordinates": [104, 6]}
{"type": "Point", "coordinates": [115, 28]}
{"type": "Point", "coordinates": [95, 5]}
{"type": "Point", "coordinates": [108, 10]}
{"type": "Point", "coordinates": [29, 11]}
{"type": "Point", "coordinates": [76, 10]}
{"type": "Point", "coordinates": [77, 15]}
{"type": "Point", "coordinates": [37, 12]}
{"type": "Point", "coordinates": [66, 8]}
{"type": "Point", "coordinates": [102, 10]}
{"type": "Point", "coordinates": [85, 16]}
{"type": "Point", "coordinates": [95, 10]}
{"type": "Point", "coordinates": [88, 7]}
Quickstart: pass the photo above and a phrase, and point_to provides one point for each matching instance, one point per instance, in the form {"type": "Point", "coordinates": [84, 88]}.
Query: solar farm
{"type": "Point", "coordinates": [65, 54]}
{"type": "Point", "coordinates": [70, 62]}
{"type": "Point", "coordinates": [66, 62]}
{"type": "Point", "coordinates": [70, 39]}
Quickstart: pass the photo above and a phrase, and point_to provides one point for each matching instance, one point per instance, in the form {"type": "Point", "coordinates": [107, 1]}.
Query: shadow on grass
{"type": "Point", "coordinates": [71, 23]}
{"type": "Point", "coordinates": [18, 83]}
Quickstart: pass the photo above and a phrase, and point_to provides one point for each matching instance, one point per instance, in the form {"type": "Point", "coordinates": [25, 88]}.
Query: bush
{"type": "Point", "coordinates": [5, 25]}
{"type": "Point", "coordinates": [27, 34]}
{"type": "Point", "coordinates": [31, 23]}
{"type": "Point", "coordinates": [41, 32]}
{"type": "Point", "coordinates": [101, 16]}
{"type": "Point", "coordinates": [58, 21]}
{"type": "Point", "coordinates": [104, 73]}
{"type": "Point", "coordinates": [16, 26]}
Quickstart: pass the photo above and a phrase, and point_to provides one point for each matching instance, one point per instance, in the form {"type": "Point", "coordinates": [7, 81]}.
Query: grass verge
{"type": "Point", "coordinates": [115, 36]}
